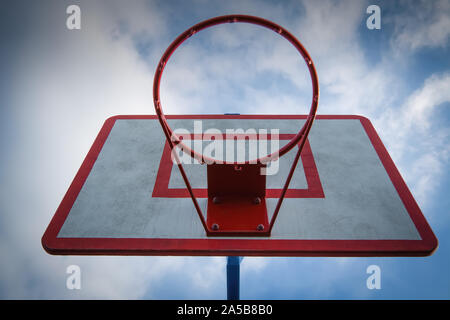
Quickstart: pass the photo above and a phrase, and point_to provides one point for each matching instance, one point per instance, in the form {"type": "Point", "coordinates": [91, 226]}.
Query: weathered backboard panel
{"type": "Point", "coordinates": [346, 198]}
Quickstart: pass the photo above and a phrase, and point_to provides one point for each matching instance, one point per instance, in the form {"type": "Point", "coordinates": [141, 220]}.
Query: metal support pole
{"type": "Point", "coordinates": [233, 277]}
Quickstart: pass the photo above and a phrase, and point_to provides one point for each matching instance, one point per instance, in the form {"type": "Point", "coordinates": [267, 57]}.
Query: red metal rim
{"type": "Point", "coordinates": [174, 140]}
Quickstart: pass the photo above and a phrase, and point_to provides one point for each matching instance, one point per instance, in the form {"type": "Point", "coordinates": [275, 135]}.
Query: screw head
{"type": "Point", "coordinates": [215, 226]}
{"type": "Point", "coordinates": [216, 200]}
{"type": "Point", "coordinates": [260, 227]}
{"type": "Point", "coordinates": [257, 200]}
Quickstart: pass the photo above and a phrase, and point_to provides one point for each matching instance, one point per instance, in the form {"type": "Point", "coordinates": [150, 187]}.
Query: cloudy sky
{"type": "Point", "coordinates": [57, 86]}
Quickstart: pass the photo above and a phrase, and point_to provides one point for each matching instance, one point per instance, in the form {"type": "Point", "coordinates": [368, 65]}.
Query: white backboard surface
{"type": "Point", "coordinates": [346, 197]}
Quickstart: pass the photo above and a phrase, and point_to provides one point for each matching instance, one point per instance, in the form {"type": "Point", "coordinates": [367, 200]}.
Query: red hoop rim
{"type": "Point", "coordinates": [175, 141]}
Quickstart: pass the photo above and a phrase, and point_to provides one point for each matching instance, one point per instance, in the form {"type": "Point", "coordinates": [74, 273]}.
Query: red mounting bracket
{"type": "Point", "coordinates": [236, 200]}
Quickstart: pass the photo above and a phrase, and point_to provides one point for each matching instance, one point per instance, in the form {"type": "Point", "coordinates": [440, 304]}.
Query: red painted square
{"type": "Point", "coordinates": [314, 189]}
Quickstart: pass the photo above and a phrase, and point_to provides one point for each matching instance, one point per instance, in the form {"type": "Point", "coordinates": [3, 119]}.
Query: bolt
{"type": "Point", "coordinates": [216, 200]}
{"type": "Point", "coordinates": [257, 200]}
{"type": "Point", "coordinates": [260, 227]}
{"type": "Point", "coordinates": [215, 227]}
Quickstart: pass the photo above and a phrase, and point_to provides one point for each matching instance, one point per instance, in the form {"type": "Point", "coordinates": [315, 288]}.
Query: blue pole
{"type": "Point", "coordinates": [233, 266]}
{"type": "Point", "coordinates": [233, 278]}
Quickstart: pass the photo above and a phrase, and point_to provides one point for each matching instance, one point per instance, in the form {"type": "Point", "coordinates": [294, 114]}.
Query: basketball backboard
{"type": "Point", "coordinates": [346, 197]}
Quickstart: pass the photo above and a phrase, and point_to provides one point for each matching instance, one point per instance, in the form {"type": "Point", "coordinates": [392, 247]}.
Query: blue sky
{"type": "Point", "coordinates": [58, 86]}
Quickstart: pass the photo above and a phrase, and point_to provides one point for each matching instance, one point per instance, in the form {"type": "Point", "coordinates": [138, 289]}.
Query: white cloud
{"type": "Point", "coordinates": [421, 105]}
{"type": "Point", "coordinates": [420, 147]}
{"type": "Point", "coordinates": [426, 24]}
{"type": "Point", "coordinates": [349, 83]}
{"type": "Point", "coordinates": [253, 264]}
{"type": "Point", "coordinates": [426, 171]}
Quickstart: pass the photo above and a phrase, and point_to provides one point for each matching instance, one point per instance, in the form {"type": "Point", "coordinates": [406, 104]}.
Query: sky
{"type": "Point", "coordinates": [57, 86]}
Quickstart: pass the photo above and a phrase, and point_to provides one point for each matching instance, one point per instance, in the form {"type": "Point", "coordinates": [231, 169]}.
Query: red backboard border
{"type": "Point", "coordinates": [238, 247]}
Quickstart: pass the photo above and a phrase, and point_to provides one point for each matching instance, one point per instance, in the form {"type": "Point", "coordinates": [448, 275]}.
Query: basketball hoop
{"type": "Point", "coordinates": [249, 198]}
